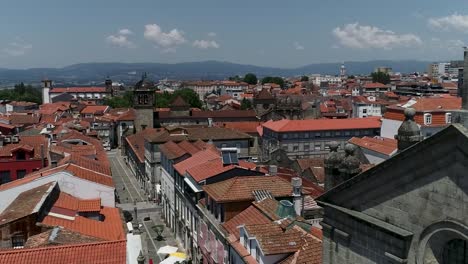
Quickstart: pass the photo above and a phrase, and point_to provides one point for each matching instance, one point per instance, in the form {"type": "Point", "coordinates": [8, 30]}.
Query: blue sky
{"type": "Point", "coordinates": [55, 33]}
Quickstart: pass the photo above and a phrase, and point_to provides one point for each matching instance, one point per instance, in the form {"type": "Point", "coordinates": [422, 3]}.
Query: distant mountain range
{"type": "Point", "coordinates": [95, 73]}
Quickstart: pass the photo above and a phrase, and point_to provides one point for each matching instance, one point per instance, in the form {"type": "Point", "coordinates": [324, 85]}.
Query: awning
{"type": "Point", "coordinates": [167, 250]}
{"type": "Point", "coordinates": [193, 185]}
{"type": "Point", "coordinates": [172, 260]}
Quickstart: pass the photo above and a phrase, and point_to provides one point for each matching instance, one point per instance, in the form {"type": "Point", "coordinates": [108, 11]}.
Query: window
{"type": "Point", "coordinates": [456, 251]}
{"type": "Point", "coordinates": [20, 174]}
{"type": "Point", "coordinates": [17, 241]}
{"type": "Point", "coordinates": [448, 118]}
{"type": "Point", "coordinates": [20, 155]}
{"type": "Point", "coordinates": [257, 254]}
{"type": "Point", "coordinates": [246, 239]}
{"type": "Point", "coordinates": [427, 119]}
{"type": "Point", "coordinates": [295, 148]}
{"type": "Point", "coordinates": [306, 147]}
{"type": "Point", "coordinates": [4, 177]}
{"type": "Point", "coordinates": [338, 133]}
{"type": "Point", "coordinates": [364, 111]}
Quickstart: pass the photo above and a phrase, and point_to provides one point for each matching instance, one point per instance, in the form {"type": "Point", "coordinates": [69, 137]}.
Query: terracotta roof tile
{"type": "Point", "coordinates": [171, 150]}
{"type": "Point", "coordinates": [110, 228]}
{"type": "Point", "coordinates": [190, 148]}
{"type": "Point", "coordinates": [286, 125]}
{"type": "Point", "coordinates": [243, 126]}
{"type": "Point", "coordinates": [387, 146]}
{"type": "Point", "coordinates": [113, 252]}
{"type": "Point", "coordinates": [249, 216]}
{"type": "Point", "coordinates": [61, 236]}
{"type": "Point", "coordinates": [215, 167]}
{"type": "Point", "coordinates": [241, 188]}
{"type": "Point", "coordinates": [95, 109]}
{"type": "Point", "coordinates": [197, 159]}
{"type": "Point", "coordinates": [428, 104]}
{"type": "Point", "coordinates": [78, 90]}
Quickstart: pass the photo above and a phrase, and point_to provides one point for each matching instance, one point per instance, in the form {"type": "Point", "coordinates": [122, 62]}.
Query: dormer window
{"type": "Point", "coordinates": [448, 118]}
{"type": "Point", "coordinates": [427, 119]}
{"type": "Point", "coordinates": [246, 239]}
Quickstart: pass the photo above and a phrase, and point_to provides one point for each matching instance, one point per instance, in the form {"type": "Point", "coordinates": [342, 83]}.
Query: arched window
{"type": "Point", "coordinates": [456, 252]}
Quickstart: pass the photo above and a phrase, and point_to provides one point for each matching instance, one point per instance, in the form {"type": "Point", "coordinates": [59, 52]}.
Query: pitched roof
{"type": "Point", "coordinates": [249, 216]}
{"type": "Point", "coordinates": [264, 94]}
{"type": "Point", "coordinates": [241, 188]}
{"type": "Point", "coordinates": [374, 85]}
{"type": "Point", "coordinates": [198, 158]}
{"type": "Point", "coordinates": [273, 240]}
{"type": "Point", "coordinates": [215, 167]}
{"type": "Point", "coordinates": [78, 90]}
{"type": "Point", "coordinates": [192, 148]}
{"type": "Point", "coordinates": [243, 126]}
{"type": "Point", "coordinates": [95, 109]}
{"type": "Point", "coordinates": [310, 252]}
{"type": "Point", "coordinates": [110, 228]}
{"type": "Point", "coordinates": [171, 150]}
{"type": "Point", "coordinates": [286, 125]}
{"type": "Point", "coordinates": [28, 143]}
{"type": "Point", "coordinates": [26, 203]}
{"type": "Point", "coordinates": [58, 236]}
{"type": "Point", "coordinates": [428, 104]}
{"type": "Point", "coordinates": [179, 102]}
{"type": "Point", "coordinates": [112, 252]}
{"type": "Point", "coordinates": [387, 146]}
{"type": "Point", "coordinates": [68, 201]}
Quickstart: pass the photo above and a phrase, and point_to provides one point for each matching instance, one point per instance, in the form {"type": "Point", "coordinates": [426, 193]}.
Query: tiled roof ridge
{"type": "Point", "coordinates": [19, 251]}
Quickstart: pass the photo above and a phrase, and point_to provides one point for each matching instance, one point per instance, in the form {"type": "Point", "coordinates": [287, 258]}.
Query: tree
{"type": "Point", "coordinates": [250, 78]}
{"type": "Point", "coordinates": [304, 78]}
{"type": "Point", "coordinates": [236, 78]}
{"type": "Point", "coordinates": [191, 97]}
{"type": "Point", "coordinates": [246, 104]}
{"type": "Point", "coordinates": [351, 77]}
{"type": "Point", "coordinates": [120, 101]}
{"type": "Point", "coordinates": [380, 77]}
{"type": "Point", "coordinates": [22, 92]}
{"type": "Point", "coordinates": [277, 80]}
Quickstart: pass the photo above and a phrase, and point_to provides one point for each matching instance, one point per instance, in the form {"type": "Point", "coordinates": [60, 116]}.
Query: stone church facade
{"type": "Point", "coordinates": [412, 208]}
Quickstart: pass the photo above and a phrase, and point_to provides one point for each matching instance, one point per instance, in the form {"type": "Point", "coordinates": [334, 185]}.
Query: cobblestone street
{"type": "Point", "coordinates": [131, 195]}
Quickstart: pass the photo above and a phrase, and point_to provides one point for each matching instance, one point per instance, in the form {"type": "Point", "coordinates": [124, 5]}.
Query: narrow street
{"type": "Point", "coordinates": [131, 195]}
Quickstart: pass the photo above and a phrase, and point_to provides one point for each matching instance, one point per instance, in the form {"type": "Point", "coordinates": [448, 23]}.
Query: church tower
{"type": "Point", "coordinates": [143, 99]}
{"type": "Point", "coordinates": [46, 86]}
{"type": "Point", "coordinates": [343, 71]}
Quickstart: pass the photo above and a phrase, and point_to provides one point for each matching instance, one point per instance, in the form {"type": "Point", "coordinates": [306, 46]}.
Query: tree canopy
{"type": "Point", "coordinates": [22, 92]}
{"type": "Point", "coordinates": [380, 77]}
{"type": "Point", "coordinates": [250, 78]}
{"type": "Point", "coordinates": [270, 79]}
{"type": "Point", "coordinates": [304, 78]}
{"type": "Point", "coordinates": [120, 101]}
{"type": "Point", "coordinates": [246, 104]}
{"type": "Point", "coordinates": [236, 78]}
{"type": "Point", "coordinates": [191, 97]}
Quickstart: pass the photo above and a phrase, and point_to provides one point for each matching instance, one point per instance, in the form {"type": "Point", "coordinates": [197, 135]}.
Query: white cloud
{"type": "Point", "coordinates": [166, 40]}
{"type": "Point", "coordinates": [453, 22]}
{"type": "Point", "coordinates": [125, 31]}
{"type": "Point", "coordinates": [362, 37]}
{"type": "Point", "coordinates": [212, 34]}
{"type": "Point", "coordinates": [205, 44]}
{"type": "Point", "coordinates": [16, 49]}
{"type": "Point", "coordinates": [298, 46]}
{"type": "Point", "coordinates": [121, 39]}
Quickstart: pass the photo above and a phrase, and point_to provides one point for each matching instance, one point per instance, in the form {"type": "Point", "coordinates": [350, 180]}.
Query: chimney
{"type": "Point", "coordinates": [296, 183]}
{"type": "Point", "coordinates": [332, 163]}
{"type": "Point", "coordinates": [210, 122]}
{"type": "Point", "coordinates": [409, 132]}
{"type": "Point", "coordinates": [272, 170]}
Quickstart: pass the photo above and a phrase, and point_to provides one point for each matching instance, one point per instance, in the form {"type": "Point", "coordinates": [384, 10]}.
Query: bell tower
{"type": "Point", "coordinates": [143, 102]}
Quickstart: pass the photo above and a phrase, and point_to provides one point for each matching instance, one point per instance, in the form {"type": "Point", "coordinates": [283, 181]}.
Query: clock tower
{"type": "Point", "coordinates": [143, 100]}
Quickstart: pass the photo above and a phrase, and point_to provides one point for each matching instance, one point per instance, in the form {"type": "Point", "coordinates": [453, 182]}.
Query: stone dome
{"type": "Point", "coordinates": [334, 158]}
{"type": "Point", "coordinates": [350, 163]}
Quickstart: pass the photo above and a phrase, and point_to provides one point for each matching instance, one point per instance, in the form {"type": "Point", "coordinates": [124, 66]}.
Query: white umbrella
{"type": "Point", "coordinates": [167, 250]}
{"type": "Point", "coordinates": [171, 260]}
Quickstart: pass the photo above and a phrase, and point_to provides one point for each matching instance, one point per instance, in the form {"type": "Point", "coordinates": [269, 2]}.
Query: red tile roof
{"type": "Point", "coordinates": [78, 90]}
{"type": "Point", "coordinates": [28, 143]}
{"type": "Point", "coordinates": [374, 85]}
{"type": "Point", "coordinates": [431, 104]}
{"type": "Point", "coordinates": [215, 167]}
{"type": "Point", "coordinates": [286, 125]}
{"type": "Point", "coordinates": [95, 109]}
{"type": "Point", "coordinates": [68, 201]}
{"type": "Point", "coordinates": [387, 146]}
{"type": "Point", "coordinates": [197, 159]}
{"type": "Point", "coordinates": [171, 150]}
{"type": "Point", "coordinates": [191, 148]}
{"type": "Point", "coordinates": [113, 252]}
{"type": "Point", "coordinates": [110, 228]}
{"type": "Point", "coordinates": [310, 252]}
{"type": "Point", "coordinates": [249, 127]}
{"type": "Point", "coordinates": [241, 188]}
{"type": "Point", "coordinates": [250, 216]}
